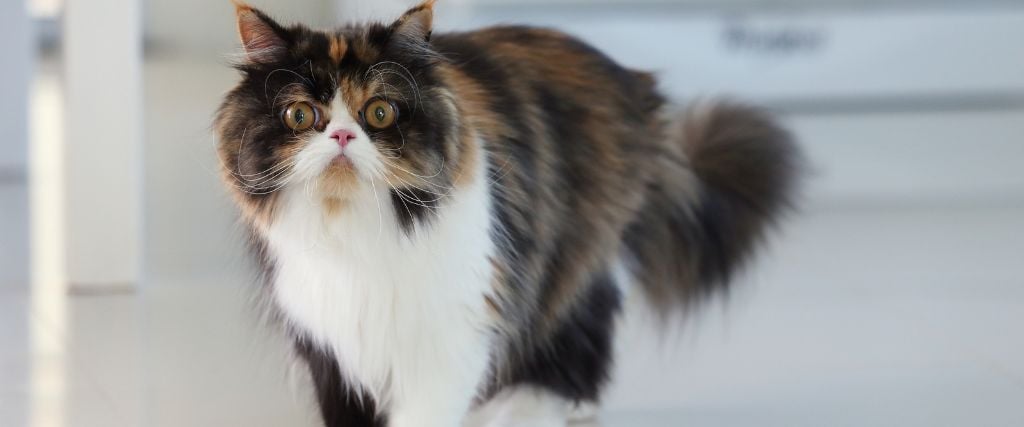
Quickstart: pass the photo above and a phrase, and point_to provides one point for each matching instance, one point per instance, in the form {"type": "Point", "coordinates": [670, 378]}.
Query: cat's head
{"type": "Point", "coordinates": [333, 113]}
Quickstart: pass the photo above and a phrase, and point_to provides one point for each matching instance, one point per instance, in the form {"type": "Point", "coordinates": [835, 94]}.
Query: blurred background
{"type": "Point", "coordinates": [895, 297]}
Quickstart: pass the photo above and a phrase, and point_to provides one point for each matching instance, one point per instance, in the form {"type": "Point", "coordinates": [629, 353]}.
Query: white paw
{"type": "Point", "coordinates": [582, 413]}
{"type": "Point", "coordinates": [525, 406]}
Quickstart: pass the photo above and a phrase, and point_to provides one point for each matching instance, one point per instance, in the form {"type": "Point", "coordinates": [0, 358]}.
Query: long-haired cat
{"type": "Point", "coordinates": [449, 220]}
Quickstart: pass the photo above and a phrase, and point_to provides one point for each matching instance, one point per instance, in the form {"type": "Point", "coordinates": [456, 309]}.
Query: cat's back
{"type": "Point", "coordinates": [547, 62]}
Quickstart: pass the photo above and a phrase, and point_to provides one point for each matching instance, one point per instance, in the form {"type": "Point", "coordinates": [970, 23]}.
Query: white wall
{"type": "Point", "coordinates": [207, 27]}
{"type": "Point", "coordinates": [103, 141]}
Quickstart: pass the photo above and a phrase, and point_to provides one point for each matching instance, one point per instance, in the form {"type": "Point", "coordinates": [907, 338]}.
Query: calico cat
{"type": "Point", "coordinates": [449, 221]}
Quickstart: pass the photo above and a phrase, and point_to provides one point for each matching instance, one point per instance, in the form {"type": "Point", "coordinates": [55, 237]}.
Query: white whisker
{"type": "Point", "coordinates": [404, 205]}
{"type": "Point", "coordinates": [380, 212]}
{"type": "Point", "coordinates": [435, 175]}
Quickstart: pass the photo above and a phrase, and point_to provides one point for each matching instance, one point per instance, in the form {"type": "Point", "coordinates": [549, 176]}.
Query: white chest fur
{"type": "Point", "coordinates": [404, 315]}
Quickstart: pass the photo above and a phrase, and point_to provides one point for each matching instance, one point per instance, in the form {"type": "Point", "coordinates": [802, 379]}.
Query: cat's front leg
{"type": "Point", "coordinates": [449, 370]}
{"type": "Point", "coordinates": [442, 407]}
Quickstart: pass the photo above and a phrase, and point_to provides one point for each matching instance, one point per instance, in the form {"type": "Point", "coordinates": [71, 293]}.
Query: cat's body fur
{"type": "Point", "coordinates": [418, 352]}
{"type": "Point", "coordinates": [476, 247]}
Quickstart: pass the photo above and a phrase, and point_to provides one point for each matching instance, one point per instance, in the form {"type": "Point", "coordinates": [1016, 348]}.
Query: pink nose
{"type": "Point", "coordinates": [343, 136]}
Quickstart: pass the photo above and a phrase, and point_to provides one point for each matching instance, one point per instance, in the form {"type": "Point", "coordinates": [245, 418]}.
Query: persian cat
{"type": "Point", "coordinates": [447, 222]}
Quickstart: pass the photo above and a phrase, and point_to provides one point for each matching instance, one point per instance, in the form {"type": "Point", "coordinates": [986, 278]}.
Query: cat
{"type": "Point", "coordinates": [451, 221]}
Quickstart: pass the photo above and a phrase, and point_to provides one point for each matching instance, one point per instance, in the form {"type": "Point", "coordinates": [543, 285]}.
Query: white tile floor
{"type": "Point", "coordinates": [856, 317]}
{"type": "Point", "coordinates": [907, 318]}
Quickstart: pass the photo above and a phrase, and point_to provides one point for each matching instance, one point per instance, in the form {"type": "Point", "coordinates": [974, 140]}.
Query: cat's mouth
{"type": "Point", "coordinates": [342, 161]}
{"type": "Point", "coordinates": [339, 178]}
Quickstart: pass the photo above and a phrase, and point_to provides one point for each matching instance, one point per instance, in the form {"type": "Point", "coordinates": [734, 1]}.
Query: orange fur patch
{"type": "Point", "coordinates": [338, 48]}
{"type": "Point", "coordinates": [336, 182]}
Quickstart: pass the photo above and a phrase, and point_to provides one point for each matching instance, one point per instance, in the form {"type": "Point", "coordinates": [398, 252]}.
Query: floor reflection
{"type": "Point", "coordinates": [48, 296]}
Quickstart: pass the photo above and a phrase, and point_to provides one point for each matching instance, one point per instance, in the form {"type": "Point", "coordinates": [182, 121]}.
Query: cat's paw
{"type": "Point", "coordinates": [525, 406]}
{"type": "Point", "coordinates": [583, 413]}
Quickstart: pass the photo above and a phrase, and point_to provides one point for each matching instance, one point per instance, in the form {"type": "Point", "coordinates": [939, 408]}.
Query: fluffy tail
{"type": "Point", "coordinates": [733, 173]}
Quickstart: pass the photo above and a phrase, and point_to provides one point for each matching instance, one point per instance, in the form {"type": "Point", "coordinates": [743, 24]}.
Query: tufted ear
{"type": "Point", "coordinates": [261, 37]}
{"type": "Point", "coordinates": [417, 23]}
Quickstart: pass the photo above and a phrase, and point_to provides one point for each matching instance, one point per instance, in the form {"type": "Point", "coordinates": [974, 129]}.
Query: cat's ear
{"type": "Point", "coordinates": [261, 37]}
{"type": "Point", "coordinates": [417, 23]}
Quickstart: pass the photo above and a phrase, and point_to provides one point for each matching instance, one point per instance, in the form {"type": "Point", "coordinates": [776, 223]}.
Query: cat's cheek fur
{"type": "Point", "coordinates": [403, 311]}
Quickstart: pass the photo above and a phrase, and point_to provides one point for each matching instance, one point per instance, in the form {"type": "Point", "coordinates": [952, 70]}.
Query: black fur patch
{"type": "Point", "coordinates": [576, 361]}
{"type": "Point", "coordinates": [413, 205]}
{"type": "Point", "coordinates": [340, 406]}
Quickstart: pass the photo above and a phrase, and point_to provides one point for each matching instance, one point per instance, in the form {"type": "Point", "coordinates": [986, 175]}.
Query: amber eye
{"type": "Point", "coordinates": [300, 116]}
{"type": "Point", "coordinates": [379, 114]}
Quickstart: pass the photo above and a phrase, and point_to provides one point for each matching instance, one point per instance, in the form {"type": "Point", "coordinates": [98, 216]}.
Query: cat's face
{"type": "Point", "coordinates": [329, 113]}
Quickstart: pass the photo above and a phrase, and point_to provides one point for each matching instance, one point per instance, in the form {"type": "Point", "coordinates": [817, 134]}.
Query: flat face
{"type": "Point", "coordinates": [334, 110]}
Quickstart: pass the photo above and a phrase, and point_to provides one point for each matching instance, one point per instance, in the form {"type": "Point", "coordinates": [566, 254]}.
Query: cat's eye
{"type": "Point", "coordinates": [300, 116]}
{"type": "Point", "coordinates": [380, 114]}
